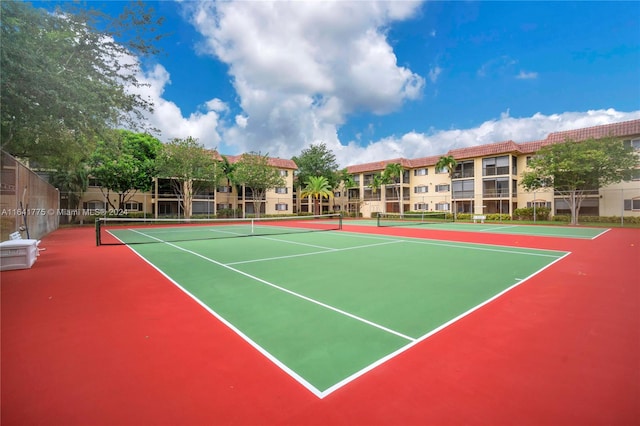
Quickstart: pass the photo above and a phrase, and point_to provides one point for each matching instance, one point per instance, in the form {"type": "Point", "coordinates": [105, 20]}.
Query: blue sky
{"type": "Point", "coordinates": [381, 80]}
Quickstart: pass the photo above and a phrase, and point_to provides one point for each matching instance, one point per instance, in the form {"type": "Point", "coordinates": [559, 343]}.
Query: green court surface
{"type": "Point", "coordinates": [327, 307]}
{"type": "Point", "coordinates": [499, 228]}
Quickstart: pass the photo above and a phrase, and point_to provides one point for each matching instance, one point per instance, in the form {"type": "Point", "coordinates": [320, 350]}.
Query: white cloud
{"type": "Point", "coordinates": [300, 68]}
{"type": "Point", "coordinates": [527, 75]}
{"type": "Point", "coordinates": [434, 73]}
{"type": "Point", "coordinates": [497, 66]}
{"type": "Point", "coordinates": [167, 116]}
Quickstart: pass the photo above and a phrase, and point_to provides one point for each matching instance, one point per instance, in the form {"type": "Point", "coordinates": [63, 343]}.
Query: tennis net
{"type": "Point", "coordinates": [409, 219]}
{"type": "Point", "coordinates": [117, 231]}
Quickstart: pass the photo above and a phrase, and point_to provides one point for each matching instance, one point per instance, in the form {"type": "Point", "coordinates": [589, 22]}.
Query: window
{"type": "Point", "coordinates": [463, 188]}
{"type": "Point", "coordinates": [633, 143]}
{"type": "Point", "coordinates": [368, 179]}
{"type": "Point", "coordinates": [336, 194]}
{"type": "Point", "coordinates": [464, 170]}
{"type": "Point", "coordinates": [223, 206]}
{"type": "Point", "coordinates": [420, 172]}
{"type": "Point", "coordinates": [132, 206]}
{"type": "Point", "coordinates": [442, 188]}
{"type": "Point", "coordinates": [495, 187]}
{"type": "Point", "coordinates": [529, 158]}
{"type": "Point", "coordinates": [202, 207]}
{"type": "Point", "coordinates": [420, 189]}
{"type": "Point", "coordinates": [495, 166]}
{"type": "Point", "coordinates": [282, 207]}
{"type": "Point", "coordinates": [632, 204]}
{"type": "Point", "coordinates": [224, 189]}
{"type": "Point", "coordinates": [94, 205]}
{"type": "Point", "coordinates": [421, 206]}
{"type": "Point", "coordinates": [94, 182]}
{"type": "Point", "coordinates": [281, 190]}
{"type": "Point", "coordinates": [442, 207]}
{"type": "Point", "coordinates": [546, 204]}
{"type": "Point", "coordinates": [284, 173]}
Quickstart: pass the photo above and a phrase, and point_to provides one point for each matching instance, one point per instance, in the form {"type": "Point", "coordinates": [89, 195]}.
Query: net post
{"type": "Point", "coordinates": [98, 231]}
{"type": "Point", "coordinates": [339, 221]}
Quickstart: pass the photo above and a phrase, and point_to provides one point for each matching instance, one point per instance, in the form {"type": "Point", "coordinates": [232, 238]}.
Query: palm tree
{"type": "Point", "coordinates": [393, 175]}
{"type": "Point", "coordinates": [347, 182]}
{"type": "Point", "coordinates": [377, 181]}
{"type": "Point", "coordinates": [72, 184]}
{"type": "Point", "coordinates": [317, 187]}
{"type": "Point", "coordinates": [449, 163]}
{"type": "Point", "coordinates": [227, 172]}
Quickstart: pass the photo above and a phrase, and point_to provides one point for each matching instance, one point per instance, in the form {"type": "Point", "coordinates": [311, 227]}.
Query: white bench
{"type": "Point", "coordinates": [479, 217]}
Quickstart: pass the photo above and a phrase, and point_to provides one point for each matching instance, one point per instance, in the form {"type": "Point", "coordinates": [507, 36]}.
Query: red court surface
{"type": "Point", "coordinates": [95, 336]}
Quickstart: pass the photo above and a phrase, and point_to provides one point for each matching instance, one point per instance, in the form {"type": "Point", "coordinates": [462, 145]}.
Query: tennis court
{"type": "Point", "coordinates": [438, 221]}
{"type": "Point", "coordinates": [97, 335]}
{"type": "Point", "coordinates": [327, 307]}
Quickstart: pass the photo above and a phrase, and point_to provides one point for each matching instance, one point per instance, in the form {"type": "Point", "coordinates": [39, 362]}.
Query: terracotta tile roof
{"type": "Point", "coordinates": [484, 150]}
{"type": "Point", "coordinates": [424, 161]}
{"type": "Point", "coordinates": [378, 165]}
{"type": "Point", "coordinates": [279, 163]}
{"type": "Point", "coordinates": [532, 147]}
{"type": "Point", "coordinates": [625, 128]}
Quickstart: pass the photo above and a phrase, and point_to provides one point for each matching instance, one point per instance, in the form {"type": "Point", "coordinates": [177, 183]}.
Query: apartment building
{"type": "Point", "coordinates": [225, 199]}
{"type": "Point", "coordinates": [486, 180]}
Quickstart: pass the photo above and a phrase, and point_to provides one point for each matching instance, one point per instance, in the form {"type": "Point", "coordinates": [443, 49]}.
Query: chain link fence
{"type": "Point", "coordinates": [28, 203]}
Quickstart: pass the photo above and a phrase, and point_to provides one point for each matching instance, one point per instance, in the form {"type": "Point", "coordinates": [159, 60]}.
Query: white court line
{"type": "Point", "coordinates": [354, 376]}
{"type": "Point", "coordinates": [602, 233]}
{"type": "Point", "coordinates": [498, 227]}
{"type": "Point", "coordinates": [467, 246]}
{"type": "Point", "coordinates": [293, 293]}
{"type": "Point", "coordinates": [313, 253]}
{"type": "Point", "coordinates": [434, 331]}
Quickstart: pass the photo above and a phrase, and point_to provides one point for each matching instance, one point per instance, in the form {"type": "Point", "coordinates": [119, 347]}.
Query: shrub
{"type": "Point", "coordinates": [527, 213]}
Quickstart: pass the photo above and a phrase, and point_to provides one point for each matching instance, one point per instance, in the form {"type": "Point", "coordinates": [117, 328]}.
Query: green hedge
{"type": "Point", "coordinates": [541, 213]}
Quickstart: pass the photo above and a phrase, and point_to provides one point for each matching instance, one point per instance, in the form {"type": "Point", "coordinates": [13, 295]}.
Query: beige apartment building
{"type": "Point", "coordinates": [486, 181]}
{"type": "Point", "coordinates": [223, 200]}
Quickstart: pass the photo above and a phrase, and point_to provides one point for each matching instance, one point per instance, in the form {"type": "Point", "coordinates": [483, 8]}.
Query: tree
{"type": "Point", "coordinates": [72, 183]}
{"type": "Point", "coordinates": [317, 160]}
{"type": "Point", "coordinates": [376, 182]}
{"type": "Point", "coordinates": [227, 169]}
{"type": "Point", "coordinates": [317, 187]}
{"type": "Point", "coordinates": [189, 167]}
{"type": "Point", "coordinates": [65, 82]}
{"type": "Point", "coordinates": [393, 175]}
{"type": "Point", "coordinates": [449, 163]}
{"type": "Point", "coordinates": [254, 172]}
{"type": "Point", "coordinates": [347, 182]}
{"type": "Point", "coordinates": [574, 169]}
{"type": "Point", "coordinates": [125, 164]}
